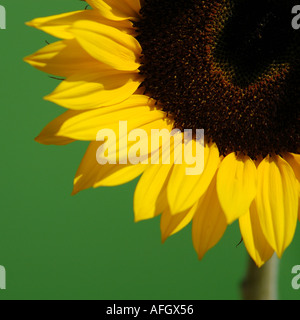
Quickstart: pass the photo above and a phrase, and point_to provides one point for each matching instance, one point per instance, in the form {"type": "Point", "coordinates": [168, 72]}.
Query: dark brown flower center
{"type": "Point", "coordinates": [230, 67]}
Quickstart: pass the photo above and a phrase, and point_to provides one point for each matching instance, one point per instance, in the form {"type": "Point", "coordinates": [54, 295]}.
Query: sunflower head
{"type": "Point", "coordinates": [230, 67]}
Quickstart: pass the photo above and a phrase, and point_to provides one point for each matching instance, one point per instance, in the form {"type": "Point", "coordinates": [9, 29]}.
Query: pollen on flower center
{"type": "Point", "coordinates": [230, 67]}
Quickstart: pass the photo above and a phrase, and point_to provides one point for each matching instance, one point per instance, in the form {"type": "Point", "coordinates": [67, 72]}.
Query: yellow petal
{"type": "Point", "coordinates": [147, 200]}
{"type": "Point", "coordinates": [114, 175]}
{"type": "Point", "coordinates": [150, 197]}
{"type": "Point", "coordinates": [93, 90]}
{"type": "Point", "coordinates": [184, 190]}
{"type": "Point", "coordinates": [116, 9]}
{"type": "Point", "coordinates": [108, 45]}
{"type": "Point", "coordinates": [294, 161]}
{"type": "Point", "coordinates": [59, 25]}
{"type": "Point", "coordinates": [92, 174]}
{"type": "Point", "coordinates": [277, 202]}
{"type": "Point", "coordinates": [64, 58]}
{"type": "Point", "coordinates": [253, 237]}
{"type": "Point", "coordinates": [236, 185]}
{"type": "Point", "coordinates": [170, 224]}
{"type": "Point", "coordinates": [54, 140]}
{"type": "Point", "coordinates": [85, 125]}
{"type": "Point", "coordinates": [209, 222]}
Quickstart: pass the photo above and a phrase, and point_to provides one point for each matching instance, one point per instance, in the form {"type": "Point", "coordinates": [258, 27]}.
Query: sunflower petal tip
{"type": "Point", "coordinates": [30, 60]}
{"type": "Point", "coordinates": [74, 191]}
{"type": "Point", "coordinates": [39, 139]}
{"type": "Point", "coordinates": [35, 23]}
{"type": "Point", "coordinates": [29, 23]}
{"type": "Point", "coordinates": [163, 238]}
{"type": "Point", "coordinates": [230, 220]}
{"type": "Point", "coordinates": [137, 217]}
{"type": "Point", "coordinates": [47, 97]}
{"type": "Point", "coordinates": [200, 256]}
{"type": "Point", "coordinates": [260, 264]}
{"type": "Point", "coordinates": [279, 253]}
{"type": "Point", "coordinates": [258, 261]}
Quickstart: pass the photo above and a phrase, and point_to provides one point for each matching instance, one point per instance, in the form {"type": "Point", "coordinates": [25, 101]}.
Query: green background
{"type": "Point", "coordinates": [55, 246]}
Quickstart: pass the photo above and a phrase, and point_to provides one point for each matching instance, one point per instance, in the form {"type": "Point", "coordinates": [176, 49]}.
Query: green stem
{"type": "Point", "coordinates": [261, 283]}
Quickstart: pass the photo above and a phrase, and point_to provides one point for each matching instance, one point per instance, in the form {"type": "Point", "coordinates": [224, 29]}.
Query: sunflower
{"type": "Point", "coordinates": [229, 67]}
